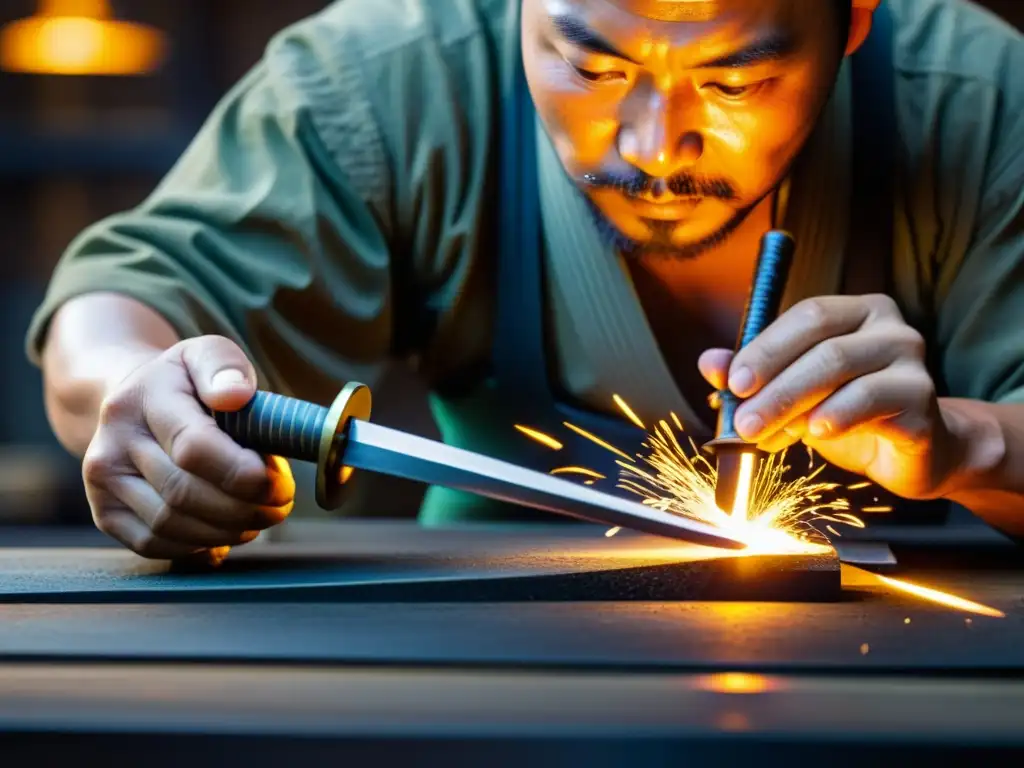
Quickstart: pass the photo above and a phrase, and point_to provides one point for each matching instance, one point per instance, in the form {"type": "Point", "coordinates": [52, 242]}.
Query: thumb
{"type": "Point", "coordinates": [714, 367]}
{"type": "Point", "coordinates": [222, 375]}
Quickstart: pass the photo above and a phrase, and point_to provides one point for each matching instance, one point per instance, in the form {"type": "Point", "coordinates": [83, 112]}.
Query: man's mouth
{"type": "Point", "coordinates": [672, 209]}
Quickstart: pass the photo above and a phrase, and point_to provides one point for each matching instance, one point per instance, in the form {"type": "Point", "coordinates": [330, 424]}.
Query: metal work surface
{"type": "Point", "coordinates": [401, 563]}
{"type": "Point", "coordinates": [764, 636]}
{"type": "Point", "coordinates": [653, 634]}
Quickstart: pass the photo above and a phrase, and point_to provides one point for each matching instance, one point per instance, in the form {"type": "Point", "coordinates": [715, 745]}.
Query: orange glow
{"type": "Point", "coordinates": [596, 440]}
{"type": "Point", "coordinates": [540, 437]}
{"type": "Point", "coordinates": [737, 682]}
{"type": "Point", "coordinates": [777, 513]}
{"type": "Point", "coordinates": [771, 515]}
{"type": "Point", "coordinates": [628, 411]}
{"type": "Point", "coordinates": [79, 37]}
{"type": "Point", "coordinates": [876, 510]}
{"type": "Point", "coordinates": [942, 598]}
{"type": "Point", "coordinates": [577, 471]}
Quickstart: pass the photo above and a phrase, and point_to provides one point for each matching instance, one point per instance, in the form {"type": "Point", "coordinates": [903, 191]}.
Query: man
{"type": "Point", "coordinates": [384, 185]}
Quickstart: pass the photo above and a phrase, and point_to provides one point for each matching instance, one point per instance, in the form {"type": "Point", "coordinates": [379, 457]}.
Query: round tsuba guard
{"type": "Point", "coordinates": [353, 402]}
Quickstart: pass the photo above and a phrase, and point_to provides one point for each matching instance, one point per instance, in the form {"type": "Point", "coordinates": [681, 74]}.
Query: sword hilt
{"type": "Point", "coordinates": [275, 425]}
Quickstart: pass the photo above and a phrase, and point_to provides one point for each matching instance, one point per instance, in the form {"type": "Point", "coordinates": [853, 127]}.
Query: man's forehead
{"type": "Point", "coordinates": [672, 10]}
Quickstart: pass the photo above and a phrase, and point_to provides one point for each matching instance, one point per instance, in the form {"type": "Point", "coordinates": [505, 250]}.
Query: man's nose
{"type": "Point", "coordinates": [661, 140]}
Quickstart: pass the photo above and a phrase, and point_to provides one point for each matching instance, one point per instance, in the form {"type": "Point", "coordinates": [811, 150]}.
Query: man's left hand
{"type": "Point", "coordinates": [847, 376]}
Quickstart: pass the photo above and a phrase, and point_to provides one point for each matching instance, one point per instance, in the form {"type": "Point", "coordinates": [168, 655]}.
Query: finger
{"type": "Point", "coordinates": [197, 498]}
{"type": "Point", "coordinates": [797, 331]}
{"type": "Point", "coordinates": [714, 366]}
{"type": "Point", "coordinates": [194, 442]}
{"type": "Point", "coordinates": [222, 375]}
{"type": "Point", "coordinates": [897, 403]}
{"type": "Point", "coordinates": [789, 435]}
{"type": "Point", "coordinates": [169, 524]}
{"type": "Point", "coordinates": [820, 372]}
{"type": "Point", "coordinates": [121, 524]}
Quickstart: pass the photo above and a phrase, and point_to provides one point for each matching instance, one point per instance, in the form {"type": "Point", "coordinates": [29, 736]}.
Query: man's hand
{"type": "Point", "coordinates": [846, 375]}
{"type": "Point", "coordinates": [162, 478]}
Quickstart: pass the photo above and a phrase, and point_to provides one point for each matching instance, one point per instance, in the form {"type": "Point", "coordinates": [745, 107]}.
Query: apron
{"type": "Point", "coordinates": [521, 371]}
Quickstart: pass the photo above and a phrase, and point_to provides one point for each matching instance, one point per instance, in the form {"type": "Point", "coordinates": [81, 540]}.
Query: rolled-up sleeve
{"type": "Point", "coordinates": [272, 228]}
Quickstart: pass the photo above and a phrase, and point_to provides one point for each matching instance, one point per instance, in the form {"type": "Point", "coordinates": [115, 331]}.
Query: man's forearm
{"type": "Point", "coordinates": [93, 343]}
{"type": "Point", "coordinates": [990, 479]}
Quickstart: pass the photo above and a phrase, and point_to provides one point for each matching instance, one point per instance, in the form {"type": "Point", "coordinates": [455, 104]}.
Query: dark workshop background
{"type": "Point", "coordinates": [76, 148]}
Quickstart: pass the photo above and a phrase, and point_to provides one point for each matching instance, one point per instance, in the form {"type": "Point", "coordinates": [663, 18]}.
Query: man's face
{"type": "Point", "coordinates": [676, 129]}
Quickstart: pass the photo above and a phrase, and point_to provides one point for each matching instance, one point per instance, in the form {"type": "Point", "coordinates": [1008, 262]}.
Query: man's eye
{"type": "Point", "coordinates": [598, 77]}
{"type": "Point", "coordinates": [735, 91]}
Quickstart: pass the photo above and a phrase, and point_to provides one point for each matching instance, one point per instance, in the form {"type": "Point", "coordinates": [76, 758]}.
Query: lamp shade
{"type": "Point", "coordinates": [79, 37]}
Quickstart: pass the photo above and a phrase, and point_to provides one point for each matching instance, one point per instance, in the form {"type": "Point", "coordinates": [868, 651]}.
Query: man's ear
{"type": "Point", "coordinates": [860, 23]}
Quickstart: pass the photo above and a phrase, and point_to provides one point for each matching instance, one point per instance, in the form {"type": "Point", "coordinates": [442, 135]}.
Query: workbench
{"type": "Point", "coordinates": [160, 679]}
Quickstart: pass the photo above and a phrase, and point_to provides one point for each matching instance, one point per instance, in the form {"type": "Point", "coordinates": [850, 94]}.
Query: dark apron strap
{"type": "Point", "coordinates": [868, 265]}
{"type": "Point", "coordinates": [519, 362]}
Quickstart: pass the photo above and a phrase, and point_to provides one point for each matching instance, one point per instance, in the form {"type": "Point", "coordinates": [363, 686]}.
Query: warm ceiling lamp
{"type": "Point", "coordinates": [79, 37]}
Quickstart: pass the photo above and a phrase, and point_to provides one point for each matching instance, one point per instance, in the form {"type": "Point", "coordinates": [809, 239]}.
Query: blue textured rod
{"type": "Point", "coordinates": [276, 425]}
{"type": "Point", "coordinates": [770, 276]}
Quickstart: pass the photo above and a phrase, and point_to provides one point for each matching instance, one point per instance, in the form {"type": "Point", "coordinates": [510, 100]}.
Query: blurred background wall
{"type": "Point", "coordinates": [77, 147]}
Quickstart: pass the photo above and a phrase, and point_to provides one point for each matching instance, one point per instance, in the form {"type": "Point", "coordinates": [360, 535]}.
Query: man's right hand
{"type": "Point", "coordinates": [162, 478]}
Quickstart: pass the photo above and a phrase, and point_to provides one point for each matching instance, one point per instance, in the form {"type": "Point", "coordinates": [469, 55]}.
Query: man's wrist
{"type": "Point", "coordinates": [979, 451]}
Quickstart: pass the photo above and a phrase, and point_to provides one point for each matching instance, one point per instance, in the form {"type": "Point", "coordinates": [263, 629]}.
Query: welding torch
{"type": "Point", "coordinates": [737, 460]}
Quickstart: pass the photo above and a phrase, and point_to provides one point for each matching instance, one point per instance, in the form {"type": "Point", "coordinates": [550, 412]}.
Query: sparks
{"type": "Point", "coordinates": [779, 515]}
{"type": "Point", "coordinates": [596, 440]}
{"type": "Point", "coordinates": [942, 598]}
{"type": "Point", "coordinates": [628, 411]}
{"type": "Point", "coordinates": [540, 437]}
{"type": "Point", "coordinates": [772, 515]}
{"type": "Point", "coordinates": [577, 471]}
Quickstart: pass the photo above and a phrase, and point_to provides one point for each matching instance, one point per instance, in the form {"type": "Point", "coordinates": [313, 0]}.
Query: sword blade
{"type": "Point", "coordinates": [376, 448]}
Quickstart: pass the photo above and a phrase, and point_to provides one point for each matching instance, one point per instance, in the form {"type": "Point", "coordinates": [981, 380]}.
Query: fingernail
{"type": "Point", "coordinates": [750, 426]}
{"type": "Point", "coordinates": [228, 378]}
{"type": "Point", "coordinates": [820, 429]}
{"type": "Point", "coordinates": [741, 381]}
